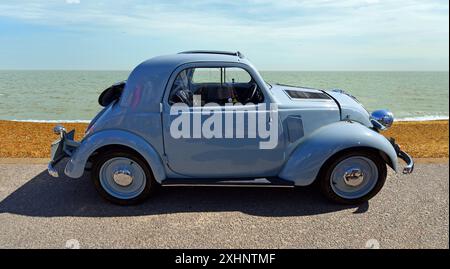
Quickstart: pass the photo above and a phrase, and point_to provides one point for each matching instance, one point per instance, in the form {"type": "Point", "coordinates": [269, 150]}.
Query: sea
{"type": "Point", "coordinates": [71, 96]}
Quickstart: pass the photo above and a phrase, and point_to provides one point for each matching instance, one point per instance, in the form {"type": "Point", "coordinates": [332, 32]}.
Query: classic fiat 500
{"type": "Point", "coordinates": [208, 117]}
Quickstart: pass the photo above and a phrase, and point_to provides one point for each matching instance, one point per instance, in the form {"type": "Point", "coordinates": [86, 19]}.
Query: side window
{"type": "Point", "coordinates": [181, 88]}
{"type": "Point", "coordinates": [206, 75]}
{"type": "Point", "coordinates": [237, 75]}
{"type": "Point", "coordinates": [219, 85]}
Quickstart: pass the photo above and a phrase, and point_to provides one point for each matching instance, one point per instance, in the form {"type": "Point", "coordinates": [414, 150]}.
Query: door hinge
{"type": "Point", "coordinates": [165, 159]}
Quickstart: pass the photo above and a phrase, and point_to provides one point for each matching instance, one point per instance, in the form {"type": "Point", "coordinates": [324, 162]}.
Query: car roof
{"type": "Point", "coordinates": [146, 83]}
{"type": "Point", "coordinates": [172, 61]}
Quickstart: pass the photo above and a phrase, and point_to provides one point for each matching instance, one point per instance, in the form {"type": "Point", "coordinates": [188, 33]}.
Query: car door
{"type": "Point", "coordinates": [219, 142]}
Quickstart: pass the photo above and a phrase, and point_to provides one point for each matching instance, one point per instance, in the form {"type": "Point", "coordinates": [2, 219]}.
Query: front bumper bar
{"type": "Point", "coordinates": [52, 170]}
{"type": "Point", "coordinates": [61, 148]}
{"type": "Point", "coordinates": [409, 168]}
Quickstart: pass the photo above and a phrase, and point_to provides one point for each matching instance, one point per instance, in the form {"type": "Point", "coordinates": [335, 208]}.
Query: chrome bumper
{"type": "Point", "coordinates": [52, 170]}
{"type": "Point", "coordinates": [61, 148]}
{"type": "Point", "coordinates": [409, 168]}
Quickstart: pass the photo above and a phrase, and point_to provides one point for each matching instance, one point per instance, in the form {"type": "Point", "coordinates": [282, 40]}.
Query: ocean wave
{"type": "Point", "coordinates": [423, 118]}
{"type": "Point", "coordinates": [52, 121]}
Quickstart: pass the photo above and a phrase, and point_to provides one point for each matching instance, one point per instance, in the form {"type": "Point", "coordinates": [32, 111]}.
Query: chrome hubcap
{"type": "Point", "coordinates": [122, 177]}
{"type": "Point", "coordinates": [353, 177]}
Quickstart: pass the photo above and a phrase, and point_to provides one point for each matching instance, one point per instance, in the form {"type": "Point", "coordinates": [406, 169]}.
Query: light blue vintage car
{"type": "Point", "coordinates": [208, 117]}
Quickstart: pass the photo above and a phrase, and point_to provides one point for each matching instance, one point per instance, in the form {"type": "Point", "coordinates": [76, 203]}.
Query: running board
{"type": "Point", "coordinates": [235, 182]}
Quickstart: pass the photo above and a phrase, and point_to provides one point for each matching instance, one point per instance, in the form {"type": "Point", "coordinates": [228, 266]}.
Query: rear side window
{"type": "Point", "coordinates": [206, 75]}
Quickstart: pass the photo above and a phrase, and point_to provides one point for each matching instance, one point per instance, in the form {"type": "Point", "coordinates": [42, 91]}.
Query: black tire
{"type": "Point", "coordinates": [324, 179]}
{"type": "Point", "coordinates": [150, 185]}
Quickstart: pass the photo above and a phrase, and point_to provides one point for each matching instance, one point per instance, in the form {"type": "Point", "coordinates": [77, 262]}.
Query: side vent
{"type": "Point", "coordinates": [306, 95]}
{"type": "Point", "coordinates": [295, 128]}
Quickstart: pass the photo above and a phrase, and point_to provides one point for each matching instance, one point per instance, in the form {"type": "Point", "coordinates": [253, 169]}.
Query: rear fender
{"type": "Point", "coordinates": [76, 165]}
{"type": "Point", "coordinates": [305, 162]}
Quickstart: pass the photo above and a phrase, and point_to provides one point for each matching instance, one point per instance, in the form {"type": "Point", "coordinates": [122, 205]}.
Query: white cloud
{"type": "Point", "coordinates": [292, 18]}
{"type": "Point", "coordinates": [389, 29]}
{"type": "Point", "coordinates": [73, 2]}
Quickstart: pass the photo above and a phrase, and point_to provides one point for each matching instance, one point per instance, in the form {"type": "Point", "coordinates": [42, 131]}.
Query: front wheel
{"type": "Point", "coordinates": [122, 177]}
{"type": "Point", "coordinates": [353, 177]}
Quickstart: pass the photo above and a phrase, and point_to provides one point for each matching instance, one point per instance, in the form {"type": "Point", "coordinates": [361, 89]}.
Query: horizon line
{"type": "Point", "coordinates": [261, 70]}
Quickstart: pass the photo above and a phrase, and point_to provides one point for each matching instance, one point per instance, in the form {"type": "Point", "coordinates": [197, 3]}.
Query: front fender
{"type": "Point", "coordinates": [76, 165]}
{"type": "Point", "coordinates": [310, 155]}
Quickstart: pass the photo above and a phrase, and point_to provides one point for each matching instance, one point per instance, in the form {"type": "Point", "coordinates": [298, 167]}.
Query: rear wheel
{"type": "Point", "coordinates": [122, 177]}
{"type": "Point", "coordinates": [353, 177]}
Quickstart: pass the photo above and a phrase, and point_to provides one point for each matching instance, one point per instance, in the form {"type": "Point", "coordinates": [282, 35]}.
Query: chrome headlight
{"type": "Point", "coordinates": [382, 119]}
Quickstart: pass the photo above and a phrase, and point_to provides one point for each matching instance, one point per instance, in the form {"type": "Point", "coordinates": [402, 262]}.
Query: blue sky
{"type": "Point", "coordinates": [274, 35]}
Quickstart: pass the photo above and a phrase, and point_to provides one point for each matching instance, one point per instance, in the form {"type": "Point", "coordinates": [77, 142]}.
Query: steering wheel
{"type": "Point", "coordinates": [185, 96]}
{"type": "Point", "coordinates": [181, 95]}
{"type": "Point", "coordinates": [253, 93]}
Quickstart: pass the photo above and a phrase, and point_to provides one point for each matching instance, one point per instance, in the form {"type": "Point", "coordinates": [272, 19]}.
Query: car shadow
{"type": "Point", "coordinates": [44, 196]}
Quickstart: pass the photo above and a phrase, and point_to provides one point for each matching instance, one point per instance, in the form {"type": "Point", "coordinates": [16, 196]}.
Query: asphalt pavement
{"type": "Point", "coordinates": [37, 211]}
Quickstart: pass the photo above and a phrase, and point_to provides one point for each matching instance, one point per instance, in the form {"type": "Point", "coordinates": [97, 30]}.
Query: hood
{"type": "Point", "coordinates": [310, 98]}
{"type": "Point", "coordinates": [292, 97]}
{"type": "Point", "coordinates": [351, 108]}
